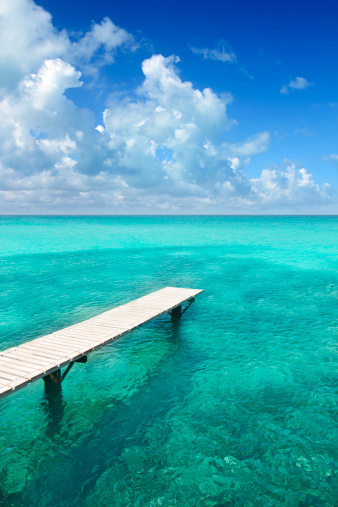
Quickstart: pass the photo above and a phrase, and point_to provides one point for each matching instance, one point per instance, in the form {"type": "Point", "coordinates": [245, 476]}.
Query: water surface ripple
{"type": "Point", "coordinates": [234, 406]}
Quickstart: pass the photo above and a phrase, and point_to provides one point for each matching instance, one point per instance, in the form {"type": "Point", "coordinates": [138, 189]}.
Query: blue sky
{"type": "Point", "coordinates": [181, 107]}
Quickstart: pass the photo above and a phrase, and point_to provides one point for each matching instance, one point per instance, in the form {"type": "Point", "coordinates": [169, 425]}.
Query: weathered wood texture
{"type": "Point", "coordinates": [36, 359]}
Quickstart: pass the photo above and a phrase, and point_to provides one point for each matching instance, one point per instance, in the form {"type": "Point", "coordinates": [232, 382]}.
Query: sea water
{"type": "Point", "coordinates": [234, 406]}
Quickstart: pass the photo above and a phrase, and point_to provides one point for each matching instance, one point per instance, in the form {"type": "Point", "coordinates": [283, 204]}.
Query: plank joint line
{"type": "Point", "coordinates": [44, 356]}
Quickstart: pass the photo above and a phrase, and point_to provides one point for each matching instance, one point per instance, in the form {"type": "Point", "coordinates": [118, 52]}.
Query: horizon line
{"type": "Point", "coordinates": [8, 215]}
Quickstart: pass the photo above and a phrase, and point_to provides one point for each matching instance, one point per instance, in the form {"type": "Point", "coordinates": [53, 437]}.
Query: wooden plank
{"type": "Point", "coordinates": [22, 354]}
{"type": "Point", "coordinates": [66, 343]}
{"type": "Point", "coordinates": [18, 371]}
{"type": "Point", "coordinates": [62, 358]}
{"type": "Point", "coordinates": [14, 385]}
{"type": "Point", "coordinates": [93, 334]}
{"type": "Point", "coordinates": [119, 321]}
{"type": "Point", "coordinates": [32, 360]}
{"type": "Point", "coordinates": [19, 365]}
{"type": "Point", "coordinates": [98, 325]}
{"type": "Point", "coordinates": [84, 335]}
{"type": "Point", "coordinates": [87, 328]}
{"type": "Point", "coordinates": [68, 340]}
{"type": "Point", "coordinates": [63, 347]}
{"type": "Point", "coordinates": [122, 321]}
{"type": "Point", "coordinates": [11, 384]}
{"type": "Point", "coordinates": [46, 346]}
{"type": "Point", "coordinates": [118, 327]}
{"type": "Point", "coordinates": [9, 358]}
{"type": "Point", "coordinates": [86, 346]}
{"type": "Point", "coordinates": [56, 347]}
{"type": "Point", "coordinates": [102, 327]}
{"type": "Point", "coordinates": [15, 372]}
{"type": "Point", "coordinates": [39, 350]}
{"type": "Point", "coordinates": [130, 315]}
{"type": "Point", "coordinates": [6, 390]}
{"type": "Point", "coordinates": [84, 332]}
{"type": "Point", "coordinates": [16, 351]}
{"type": "Point", "coordinates": [56, 356]}
{"type": "Point", "coordinates": [34, 366]}
{"type": "Point", "coordinates": [20, 374]}
{"type": "Point", "coordinates": [7, 376]}
{"type": "Point", "coordinates": [81, 342]}
{"type": "Point", "coordinates": [77, 340]}
{"type": "Point", "coordinates": [134, 313]}
{"type": "Point", "coordinates": [76, 329]}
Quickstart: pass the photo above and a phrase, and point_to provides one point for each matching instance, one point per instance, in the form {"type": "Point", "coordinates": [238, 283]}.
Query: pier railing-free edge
{"type": "Point", "coordinates": [45, 356]}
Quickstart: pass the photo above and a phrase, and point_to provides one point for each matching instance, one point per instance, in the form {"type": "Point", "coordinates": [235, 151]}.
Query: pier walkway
{"type": "Point", "coordinates": [45, 356]}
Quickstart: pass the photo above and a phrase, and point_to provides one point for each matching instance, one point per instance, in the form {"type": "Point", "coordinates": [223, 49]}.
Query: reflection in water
{"type": "Point", "coordinates": [222, 409]}
{"type": "Point", "coordinates": [124, 424]}
{"type": "Point", "coordinates": [53, 405]}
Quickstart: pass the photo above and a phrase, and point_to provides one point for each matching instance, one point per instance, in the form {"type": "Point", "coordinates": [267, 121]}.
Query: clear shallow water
{"type": "Point", "coordinates": [235, 406]}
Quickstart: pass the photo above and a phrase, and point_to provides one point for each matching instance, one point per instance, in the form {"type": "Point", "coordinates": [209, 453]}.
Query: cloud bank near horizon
{"type": "Point", "coordinates": [161, 147]}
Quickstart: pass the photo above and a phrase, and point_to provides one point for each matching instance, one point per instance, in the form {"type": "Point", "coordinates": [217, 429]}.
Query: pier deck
{"type": "Point", "coordinates": [42, 357]}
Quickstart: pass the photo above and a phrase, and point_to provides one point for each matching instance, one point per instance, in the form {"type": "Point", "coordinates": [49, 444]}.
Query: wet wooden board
{"type": "Point", "coordinates": [35, 359]}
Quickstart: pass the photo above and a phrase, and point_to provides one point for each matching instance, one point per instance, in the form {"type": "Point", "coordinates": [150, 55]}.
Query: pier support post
{"type": "Point", "coordinates": [176, 314]}
{"type": "Point", "coordinates": [53, 403]}
{"type": "Point", "coordinates": [53, 382]}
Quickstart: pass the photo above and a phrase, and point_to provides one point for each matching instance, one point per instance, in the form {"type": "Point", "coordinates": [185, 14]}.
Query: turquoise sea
{"type": "Point", "coordinates": [234, 406]}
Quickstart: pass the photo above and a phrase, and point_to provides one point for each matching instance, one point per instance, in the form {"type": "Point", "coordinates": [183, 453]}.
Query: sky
{"type": "Point", "coordinates": [173, 107]}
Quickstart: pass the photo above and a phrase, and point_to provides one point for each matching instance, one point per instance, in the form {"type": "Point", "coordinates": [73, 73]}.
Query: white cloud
{"type": "Point", "coordinates": [106, 35]}
{"type": "Point", "coordinates": [284, 90]}
{"type": "Point", "coordinates": [45, 89]}
{"type": "Point", "coordinates": [102, 39]}
{"type": "Point", "coordinates": [252, 146]}
{"type": "Point", "coordinates": [216, 54]}
{"type": "Point", "coordinates": [159, 147]}
{"type": "Point", "coordinates": [28, 37]}
{"type": "Point", "coordinates": [39, 125]}
{"type": "Point", "coordinates": [300, 83]}
{"type": "Point", "coordinates": [288, 185]}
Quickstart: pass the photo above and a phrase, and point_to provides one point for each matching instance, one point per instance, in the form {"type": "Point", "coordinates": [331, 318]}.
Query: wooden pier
{"type": "Point", "coordinates": [45, 356]}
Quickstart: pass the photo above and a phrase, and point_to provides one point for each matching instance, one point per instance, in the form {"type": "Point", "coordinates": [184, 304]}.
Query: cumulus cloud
{"type": "Point", "coordinates": [159, 147]}
{"type": "Point", "coordinates": [252, 146]}
{"type": "Point", "coordinates": [169, 116]}
{"type": "Point", "coordinates": [28, 37]}
{"type": "Point", "coordinates": [98, 46]}
{"type": "Point", "coordinates": [104, 35]}
{"type": "Point", "coordinates": [300, 83]}
{"type": "Point", "coordinates": [287, 185]}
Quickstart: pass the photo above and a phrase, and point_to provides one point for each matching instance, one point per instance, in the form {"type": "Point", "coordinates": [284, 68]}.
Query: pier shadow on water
{"type": "Point", "coordinates": [124, 424]}
{"type": "Point", "coordinates": [53, 405]}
